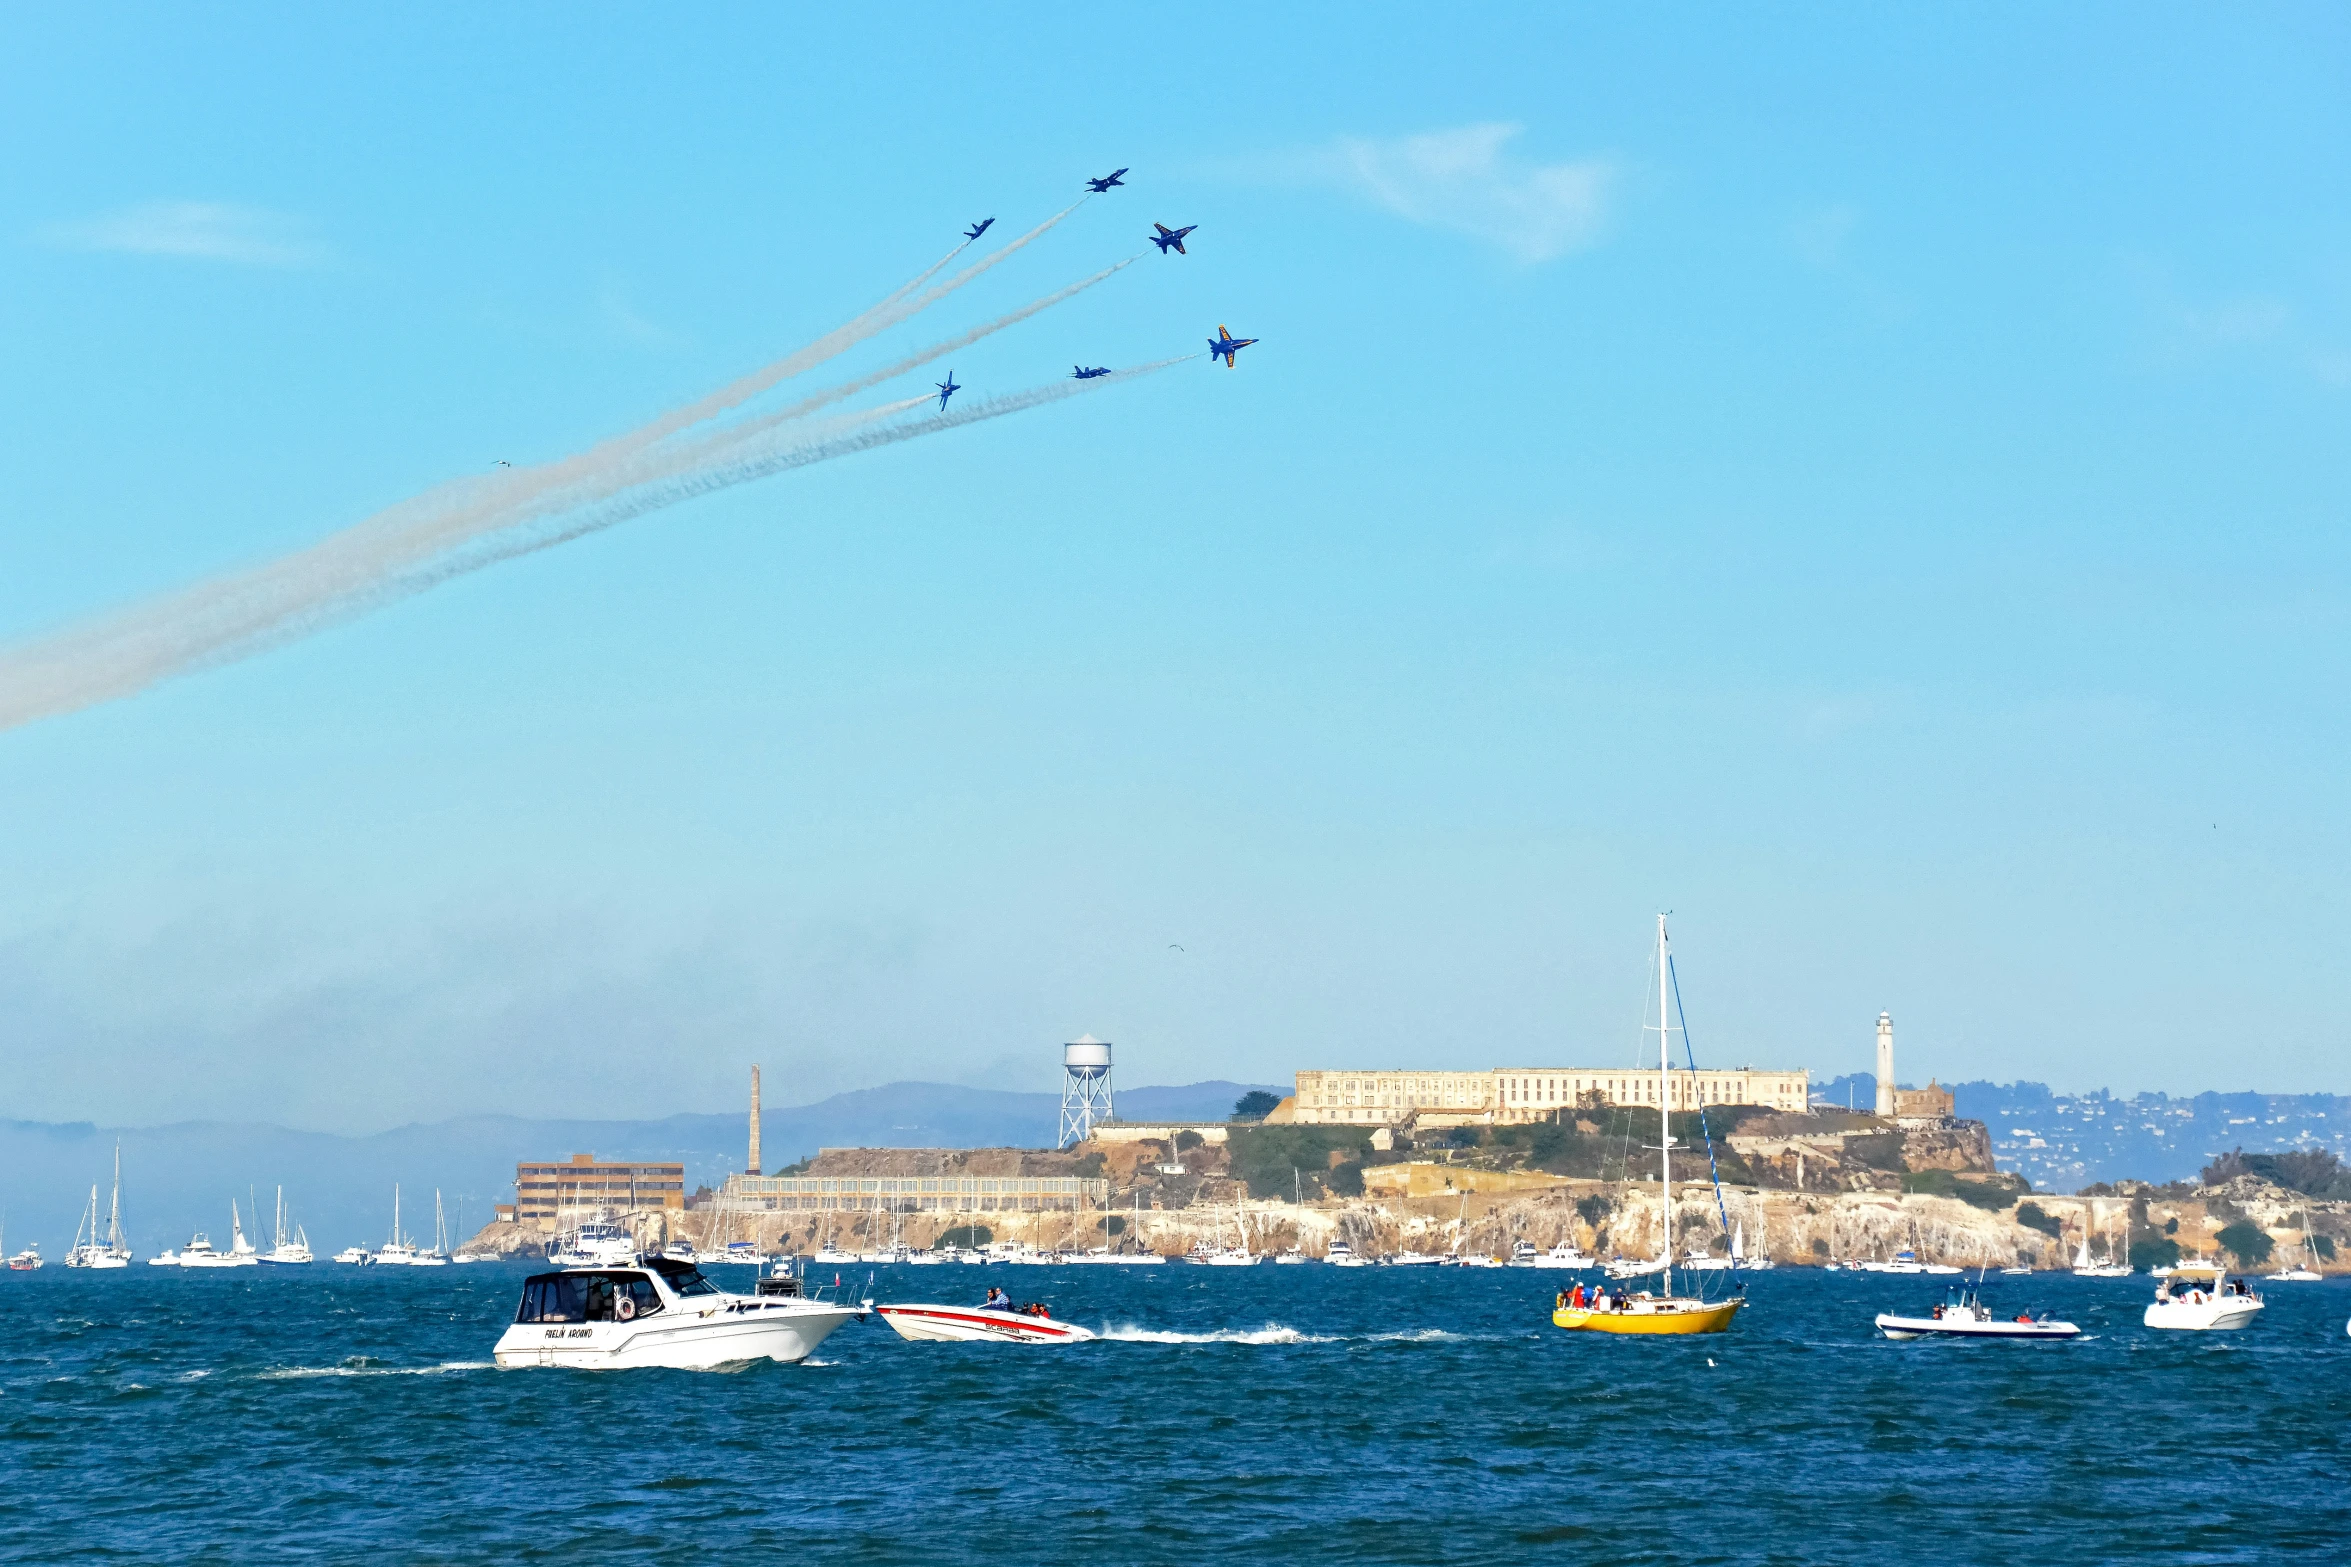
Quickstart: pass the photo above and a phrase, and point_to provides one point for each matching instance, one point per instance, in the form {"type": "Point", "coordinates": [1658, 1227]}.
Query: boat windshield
{"type": "Point", "coordinates": [585, 1297]}
{"type": "Point", "coordinates": [683, 1278]}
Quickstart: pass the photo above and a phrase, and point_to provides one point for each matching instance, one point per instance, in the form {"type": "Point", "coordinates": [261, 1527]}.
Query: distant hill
{"type": "Point", "coordinates": [2063, 1142]}
{"type": "Point", "coordinates": [181, 1178]}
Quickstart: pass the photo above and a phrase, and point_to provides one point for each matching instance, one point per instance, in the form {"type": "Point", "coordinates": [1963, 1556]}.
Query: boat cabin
{"type": "Point", "coordinates": [610, 1294]}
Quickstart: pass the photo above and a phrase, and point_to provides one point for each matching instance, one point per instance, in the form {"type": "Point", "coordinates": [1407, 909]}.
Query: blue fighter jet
{"type": "Point", "coordinates": [1168, 239]}
{"type": "Point", "coordinates": [1106, 181]}
{"type": "Point", "coordinates": [977, 229]}
{"type": "Point", "coordinates": [1087, 372]}
{"type": "Point", "coordinates": [1224, 345]}
{"type": "Point", "coordinates": [947, 389]}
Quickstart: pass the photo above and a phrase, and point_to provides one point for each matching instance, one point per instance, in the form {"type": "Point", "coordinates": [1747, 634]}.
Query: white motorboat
{"type": "Point", "coordinates": [1341, 1255]}
{"type": "Point", "coordinates": [1289, 1256]}
{"type": "Point", "coordinates": [596, 1244]}
{"type": "Point", "coordinates": [353, 1254]}
{"type": "Point", "coordinates": [289, 1250]}
{"type": "Point", "coordinates": [167, 1258]}
{"type": "Point", "coordinates": [1631, 1268]}
{"type": "Point", "coordinates": [926, 1324]}
{"type": "Point", "coordinates": [1560, 1256]}
{"type": "Point", "coordinates": [1476, 1259]}
{"type": "Point", "coordinates": [662, 1313]}
{"type": "Point", "coordinates": [201, 1253]}
{"type": "Point", "coordinates": [1964, 1315]}
{"type": "Point", "coordinates": [468, 1256]}
{"type": "Point", "coordinates": [2200, 1297]}
{"type": "Point", "coordinates": [1411, 1259]}
{"type": "Point", "coordinates": [2016, 1273]}
{"type": "Point", "coordinates": [27, 1260]}
{"type": "Point", "coordinates": [1904, 1261]}
{"type": "Point", "coordinates": [834, 1257]}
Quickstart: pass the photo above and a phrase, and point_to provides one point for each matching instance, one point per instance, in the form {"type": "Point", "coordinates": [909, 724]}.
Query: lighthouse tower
{"type": "Point", "coordinates": [1085, 1088]}
{"type": "Point", "coordinates": [1886, 1064]}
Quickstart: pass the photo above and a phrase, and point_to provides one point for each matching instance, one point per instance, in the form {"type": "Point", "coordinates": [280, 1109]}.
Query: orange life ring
{"type": "Point", "coordinates": [624, 1309]}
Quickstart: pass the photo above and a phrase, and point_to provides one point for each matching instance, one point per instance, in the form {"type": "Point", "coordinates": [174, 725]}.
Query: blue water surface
{"type": "Point", "coordinates": [1275, 1414]}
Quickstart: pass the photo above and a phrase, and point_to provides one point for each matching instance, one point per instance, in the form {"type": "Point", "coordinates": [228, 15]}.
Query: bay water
{"type": "Point", "coordinates": [1272, 1414]}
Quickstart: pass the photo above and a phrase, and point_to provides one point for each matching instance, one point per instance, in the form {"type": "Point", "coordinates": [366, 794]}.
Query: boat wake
{"type": "Point", "coordinates": [1275, 1333]}
{"type": "Point", "coordinates": [364, 1367]}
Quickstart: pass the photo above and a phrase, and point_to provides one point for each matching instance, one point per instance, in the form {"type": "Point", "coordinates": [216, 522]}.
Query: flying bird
{"type": "Point", "coordinates": [1172, 947]}
{"type": "Point", "coordinates": [503, 463]}
{"type": "Point", "coordinates": [947, 389]}
{"type": "Point", "coordinates": [1106, 181]}
{"type": "Point", "coordinates": [1171, 239]}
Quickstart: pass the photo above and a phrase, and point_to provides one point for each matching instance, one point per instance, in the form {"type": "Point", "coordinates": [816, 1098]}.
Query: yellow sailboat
{"type": "Point", "coordinates": [1651, 1311]}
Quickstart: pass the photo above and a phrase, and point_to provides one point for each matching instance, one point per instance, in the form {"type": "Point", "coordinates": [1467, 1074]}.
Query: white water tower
{"type": "Point", "coordinates": [1085, 1088]}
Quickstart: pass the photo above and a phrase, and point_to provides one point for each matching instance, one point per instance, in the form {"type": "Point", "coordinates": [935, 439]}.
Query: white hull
{"type": "Point", "coordinates": [2296, 1276]}
{"type": "Point", "coordinates": [1550, 1260]}
{"type": "Point", "coordinates": [974, 1324]}
{"type": "Point", "coordinates": [787, 1332]}
{"type": "Point", "coordinates": [1947, 1327]}
{"type": "Point", "coordinates": [2224, 1315]}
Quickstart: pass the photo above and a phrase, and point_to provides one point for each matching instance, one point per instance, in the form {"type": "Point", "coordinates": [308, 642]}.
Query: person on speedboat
{"type": "Point", "coordinates": [997, 1300]}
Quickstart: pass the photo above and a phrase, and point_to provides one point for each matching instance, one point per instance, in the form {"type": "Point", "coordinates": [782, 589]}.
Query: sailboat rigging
{"type": "Point", "coordinates": [1661, 1311]}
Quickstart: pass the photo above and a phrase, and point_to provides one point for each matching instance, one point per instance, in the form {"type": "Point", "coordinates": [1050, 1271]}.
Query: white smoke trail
{"type": "Point", "coordinates": [735, 435]}
{"type": "Point", "coordinates": [898, 307]}
{"type": "Point", "coordinates": [742, 468]}
{"type": "Point", "coordinates": [395, 553]}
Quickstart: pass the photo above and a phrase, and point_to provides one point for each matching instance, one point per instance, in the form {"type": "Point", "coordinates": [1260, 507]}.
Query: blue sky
{"type": "Point", "coordinates": [1869, 482]}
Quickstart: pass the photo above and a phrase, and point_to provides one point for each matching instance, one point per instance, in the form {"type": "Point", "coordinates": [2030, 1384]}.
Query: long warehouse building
{"type": "Point", "coordinates": [1532, 1093]}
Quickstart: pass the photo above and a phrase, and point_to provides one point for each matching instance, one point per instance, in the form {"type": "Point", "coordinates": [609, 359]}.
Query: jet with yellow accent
{"type": "Point", "coordinates": [1224, 345]}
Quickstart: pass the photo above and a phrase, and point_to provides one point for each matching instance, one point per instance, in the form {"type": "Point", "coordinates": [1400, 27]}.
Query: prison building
{"type": "Point", "coordinates": [1517, 1094]}
{"type": "Point", "coordinates": [913, 1193]}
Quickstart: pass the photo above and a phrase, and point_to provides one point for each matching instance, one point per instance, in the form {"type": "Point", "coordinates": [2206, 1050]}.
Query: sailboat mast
{"type": "Point", "coordinates": [1664, 1122]}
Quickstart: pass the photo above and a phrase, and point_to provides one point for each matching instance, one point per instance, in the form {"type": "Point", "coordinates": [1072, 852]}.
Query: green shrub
{"type": "Point", "coordinates": [1347, 1180]}
{"type": "Point", "coordinates": [2247, 1243]}
{"type": "Point", "coordinates": [1592, 1209]}
{"type": "Point", "coordinates": [2171, 1226]}
{"type": "Point", "coordinates": [967, 1235]}
{"type": "Point", "coordinates": [1264, 1157]}
{"type": "Point", "coordinates": [2032, 1217]}
{"type": "Point", "coordinates": [1185, 1142]}
{"type": "Point", "coordinates": [2154, 1252]}
{"type": "Point", "coordinates": [2325, 1246]}
{"type": "Point", "coordinates": [1255, 1105]}
{"type": "Point", "coordinates": [1116, 1224]}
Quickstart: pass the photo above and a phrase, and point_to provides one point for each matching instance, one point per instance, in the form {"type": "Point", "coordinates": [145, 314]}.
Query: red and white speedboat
{"type": "Point", "coordinates": [966, 1324]}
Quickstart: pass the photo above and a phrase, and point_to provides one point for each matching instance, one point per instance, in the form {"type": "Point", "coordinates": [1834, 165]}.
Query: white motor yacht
{"type": "Point", "coordinates": [353, 1254]}
{"type": "Point", "coordinates": [1341, 1255]}
{"type": "Point", "coordinates": [594, 1245]}
{"type": "Point", "coordinates": [1560, 1256]}
{"type": "Point", "coordinates": [27, 1260]}
{"type": "Point", "coordinates": [1288, 1256]}
{"type": "Point", "coordinates": [201, 1253]}
{"type": "Point", "coordinates": [1412, 1259]}
{"type": "Point", "coordinates": [662, 1313]}
{"type": "Point", "coordinates": [2200, 1297]}
{"type": "Point", "coordinates": [1964, 1315]}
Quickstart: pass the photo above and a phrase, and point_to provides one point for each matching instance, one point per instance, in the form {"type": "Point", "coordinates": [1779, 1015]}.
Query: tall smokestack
{"type": "Point", "coordinates": [1886, 1063]}
{"type": "Point", "coordinates": [753, 1167]}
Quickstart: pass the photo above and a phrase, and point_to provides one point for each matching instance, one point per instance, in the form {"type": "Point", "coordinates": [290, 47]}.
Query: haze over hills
{"type": "Point", "coordinates": [2063, 1142]}
{"type": "Point", "coordinates": [181, 1178]}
